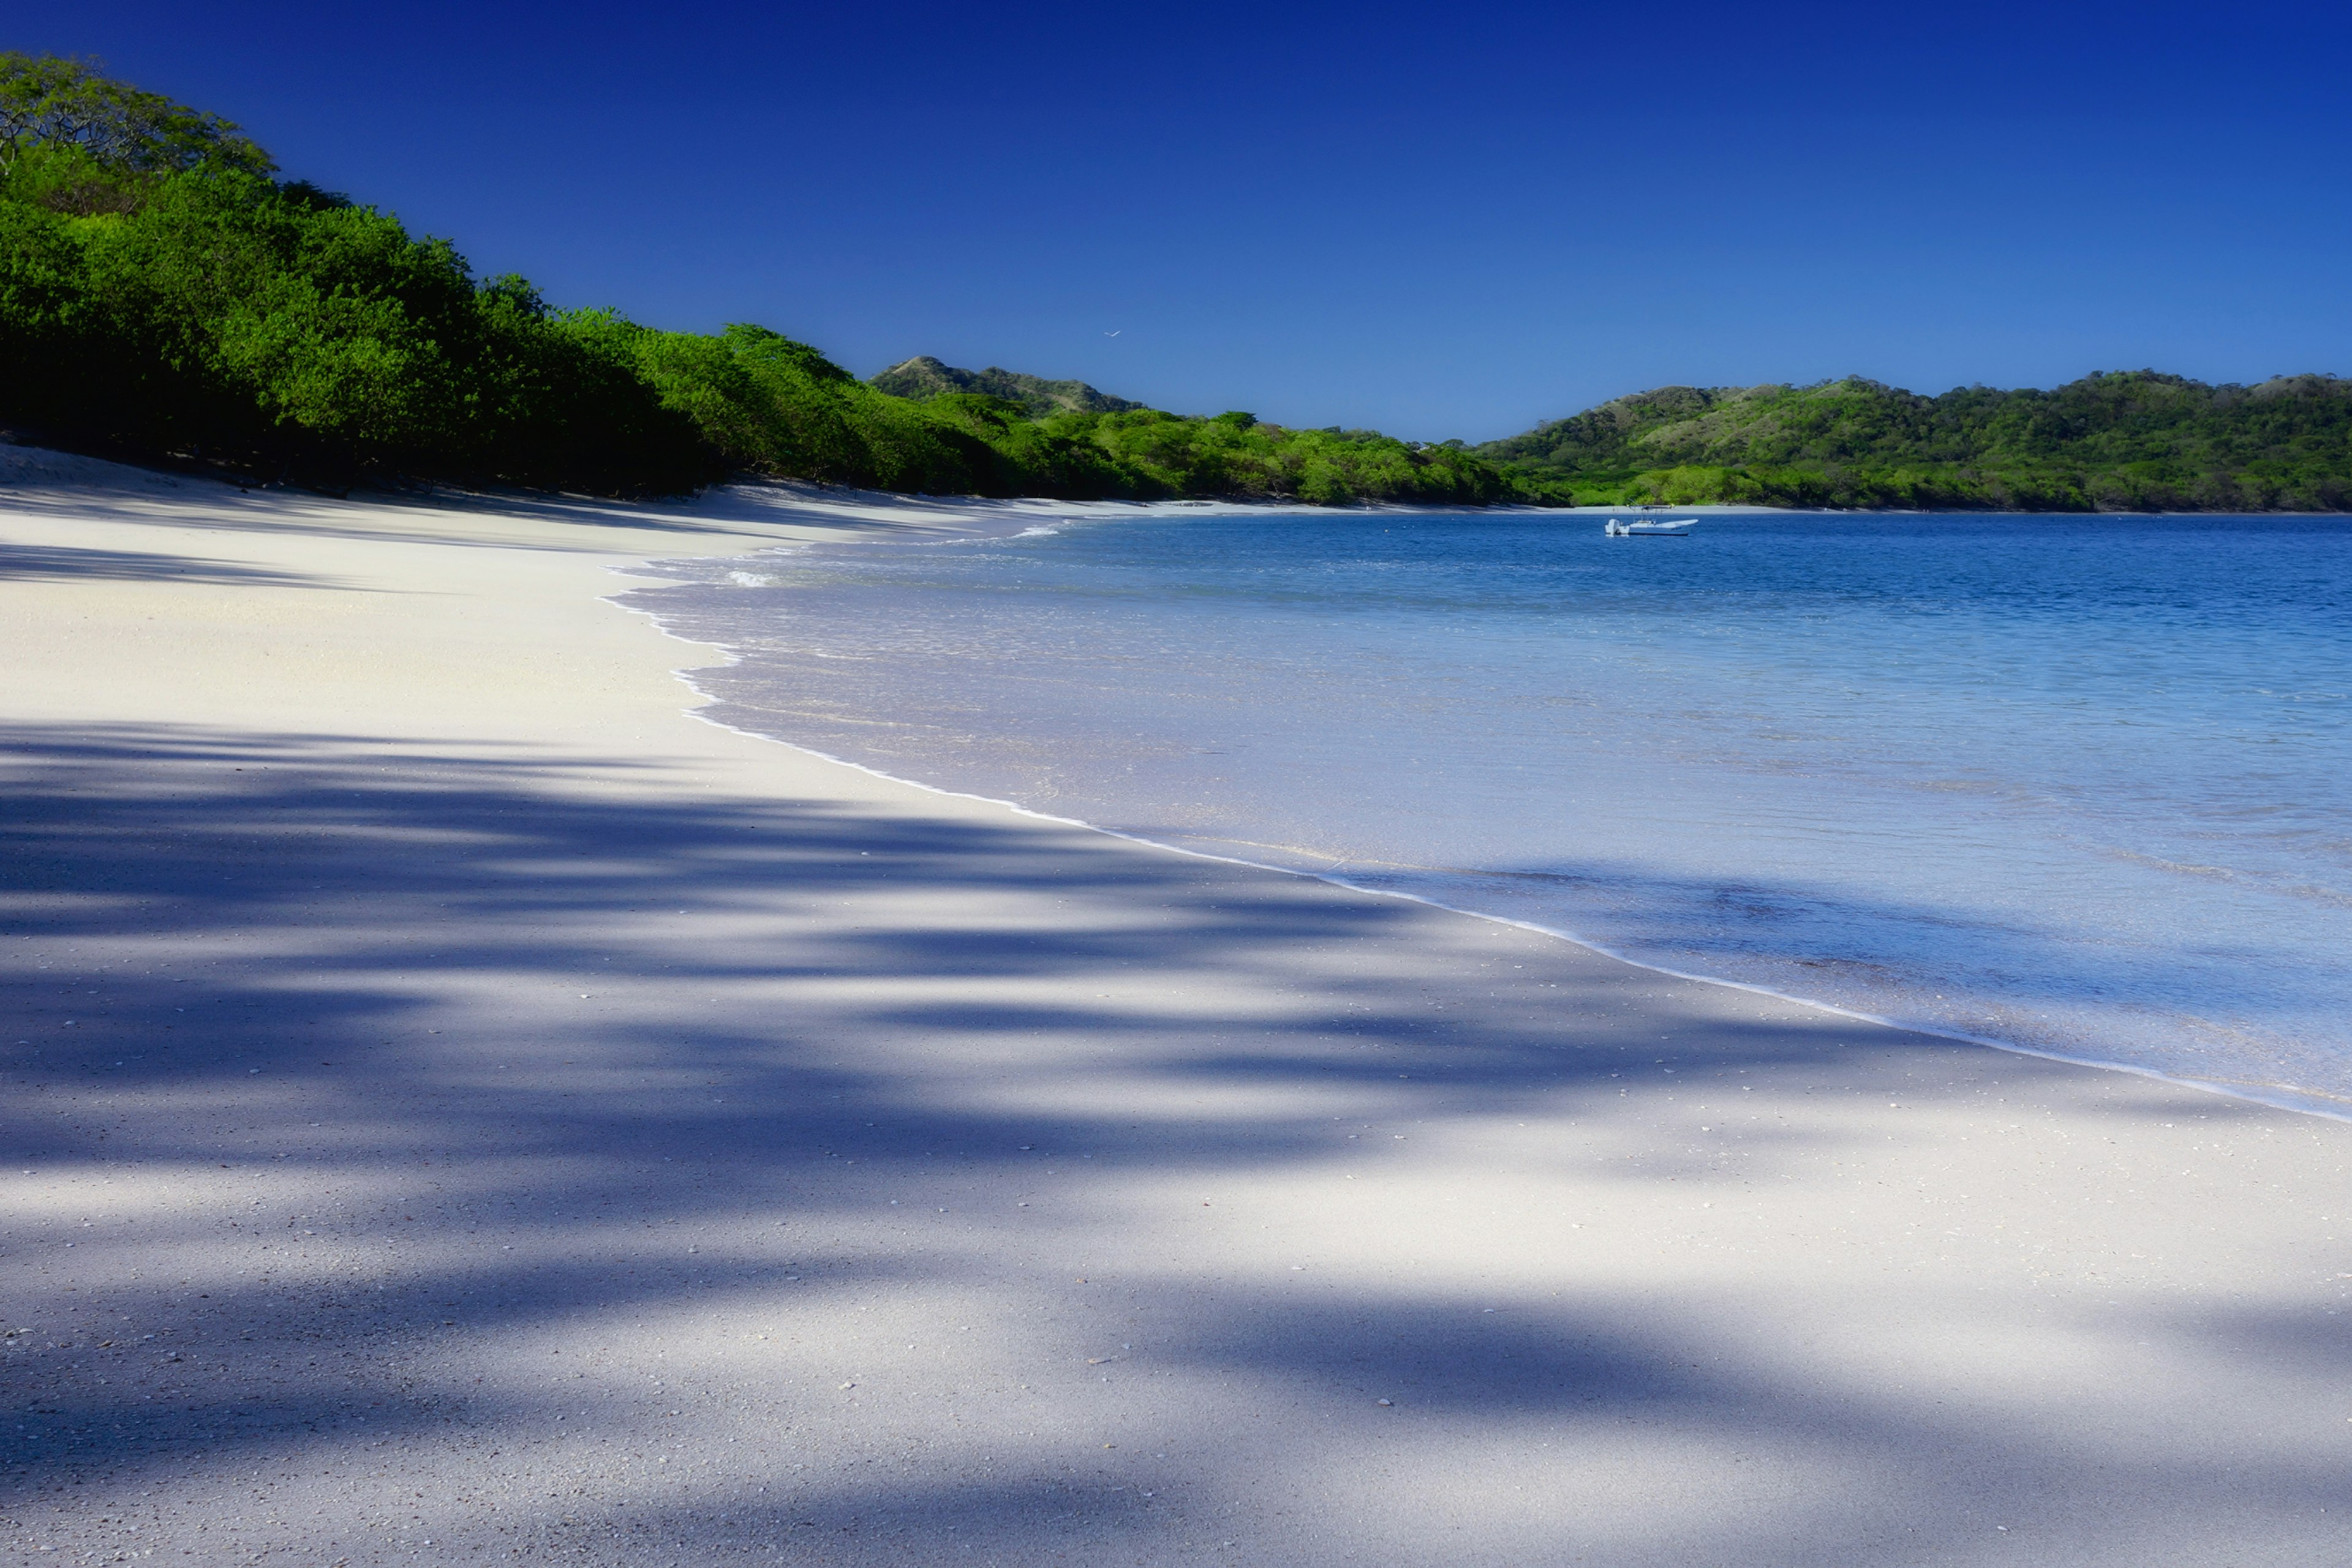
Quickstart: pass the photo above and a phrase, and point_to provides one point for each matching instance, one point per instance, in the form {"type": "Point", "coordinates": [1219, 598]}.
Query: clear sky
{"type": "Point", "coordinates": [1436, 221]}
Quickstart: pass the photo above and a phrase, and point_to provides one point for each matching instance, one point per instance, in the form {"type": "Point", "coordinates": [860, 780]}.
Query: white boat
{"type": "Point", "coordinates": [1679, 527]}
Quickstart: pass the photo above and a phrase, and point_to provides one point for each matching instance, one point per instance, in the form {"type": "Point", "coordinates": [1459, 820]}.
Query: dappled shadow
{"type": "Point", "coordinates": [401, 1107]}
{"type": "Point", "coordinates": [31, 562]}
{"type": "Point", "coordinates": [447, 519]}
{"type": "Point", "coordinates": [91, 487]}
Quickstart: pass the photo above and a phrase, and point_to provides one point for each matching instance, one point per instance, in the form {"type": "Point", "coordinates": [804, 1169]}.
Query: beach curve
{"type": "Point", "coordinates": [460, 1101]}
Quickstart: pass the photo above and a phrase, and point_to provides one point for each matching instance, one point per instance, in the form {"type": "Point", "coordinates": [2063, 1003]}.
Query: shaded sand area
{"type": "Point", "coordinates": [459, 1109]}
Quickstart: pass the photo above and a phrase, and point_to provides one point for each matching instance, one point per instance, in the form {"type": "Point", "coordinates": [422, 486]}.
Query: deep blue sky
{"type": "Point", "coordinates": [1438, 221]}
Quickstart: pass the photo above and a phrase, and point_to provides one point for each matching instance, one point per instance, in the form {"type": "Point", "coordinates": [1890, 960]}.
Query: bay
{"type": "Point", "coordinates": [2080, 785]}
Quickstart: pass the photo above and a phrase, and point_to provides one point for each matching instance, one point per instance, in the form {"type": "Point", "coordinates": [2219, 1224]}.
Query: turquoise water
{"type": "Point", "coordinates": [2078, 784]}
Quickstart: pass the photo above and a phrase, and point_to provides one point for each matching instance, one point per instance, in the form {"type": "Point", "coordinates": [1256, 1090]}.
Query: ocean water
{"type": "Point", "coordinates": [2080, 785]}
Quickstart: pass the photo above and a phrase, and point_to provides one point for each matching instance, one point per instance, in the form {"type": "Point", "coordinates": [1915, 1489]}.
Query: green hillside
{"type": "Point", "coordinates": [923, 378]}
{"type": "Point", "coordinates": [164, 296]}
{"type": "Point", "coordinates": [2120, 441]}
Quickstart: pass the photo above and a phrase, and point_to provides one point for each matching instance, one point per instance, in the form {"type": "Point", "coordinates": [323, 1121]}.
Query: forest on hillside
{"type": "Point", "coordinates": [2120, 441]}
{"type": "Point", "coordinates": [924, 377]}
{"type": "Point", "coordinates": [164, 295]}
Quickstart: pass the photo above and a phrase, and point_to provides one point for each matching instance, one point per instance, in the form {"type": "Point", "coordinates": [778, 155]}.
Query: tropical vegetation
{"type": "Point", "coordinates": [923, 377]}
{"type": "Point", "coordinates": [165, 296]}
{"type": "Point", "coordinates": [2133, 440]}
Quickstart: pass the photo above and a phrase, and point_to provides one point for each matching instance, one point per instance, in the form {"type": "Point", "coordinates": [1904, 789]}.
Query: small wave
{"type": "Point", "coordinates": [2268, 881]}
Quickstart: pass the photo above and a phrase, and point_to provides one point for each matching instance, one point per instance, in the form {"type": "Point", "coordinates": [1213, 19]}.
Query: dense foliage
{"type": "Point", "coordinates": [160, 294]}
{"type": "Point", "coordinates": [923, 378]}
{"type": "Point", "coordinates": [54, 103]}
{"type": "Point", "coordinates": [1236, 454]}
{"type": "Point", "coordinates": [2122, 441]}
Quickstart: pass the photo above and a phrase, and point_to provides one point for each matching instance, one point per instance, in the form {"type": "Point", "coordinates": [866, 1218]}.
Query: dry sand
{"type": "Point", "coordinates": [460, 1110]}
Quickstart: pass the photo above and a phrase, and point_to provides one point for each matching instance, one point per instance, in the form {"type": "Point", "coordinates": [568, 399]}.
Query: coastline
{"type": "Point", "coordinates": [696, 622]}
{"type": "Point", "coordinates": [1216, 1159]}
{"type": "Point", "coordinates": [2303, 1102]}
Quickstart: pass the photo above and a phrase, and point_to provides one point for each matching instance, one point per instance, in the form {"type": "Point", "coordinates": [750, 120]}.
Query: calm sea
{"type": "Point", "coordinates": [2078, 784]}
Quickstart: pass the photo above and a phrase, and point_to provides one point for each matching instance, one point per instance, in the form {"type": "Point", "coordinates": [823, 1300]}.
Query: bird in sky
{"type": "Point", "coordinates": [1113, 334]}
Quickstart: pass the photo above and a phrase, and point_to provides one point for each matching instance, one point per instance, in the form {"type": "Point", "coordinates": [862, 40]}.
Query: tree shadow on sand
{"type": "Point", "coordinates": [469, 1053]}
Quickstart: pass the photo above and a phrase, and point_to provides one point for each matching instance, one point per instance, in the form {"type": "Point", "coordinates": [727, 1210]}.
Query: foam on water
{"type": "Point", "coordinates": [2079, 785]}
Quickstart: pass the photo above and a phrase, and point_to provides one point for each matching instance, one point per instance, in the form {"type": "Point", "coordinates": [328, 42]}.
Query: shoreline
{"type": "Point", "coordinates": [482, 1107]}
{"type": "Point", "coordinates": [2301, 1102]}
{"type": "Point", "coordinates": [2298, 1102]}
{"type": "Point", "coordinates": [2275, 1096]}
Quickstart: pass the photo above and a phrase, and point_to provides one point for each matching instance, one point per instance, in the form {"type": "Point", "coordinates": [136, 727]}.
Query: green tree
{"type": "Point", "coordinates": [161, 295]}
{"type": "Point", "coordinates": [52, 102]}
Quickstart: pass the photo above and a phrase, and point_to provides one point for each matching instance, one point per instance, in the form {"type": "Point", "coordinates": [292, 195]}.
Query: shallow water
{"type": "Point", "coordinates": [2078, 784]}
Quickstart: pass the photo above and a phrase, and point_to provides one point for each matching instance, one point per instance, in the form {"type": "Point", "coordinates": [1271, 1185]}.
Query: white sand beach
{"type": "Point", "coordinates": [461, 1108]}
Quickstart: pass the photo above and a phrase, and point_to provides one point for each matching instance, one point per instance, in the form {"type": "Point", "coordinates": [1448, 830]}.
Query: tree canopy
{"type": "Point", "coordinates": [2115, 441]}
{"type": "Point", "coordinates": [164, 296]}
{"type": "Point", "coordinates": [924, 377]}
{"type": "Point", "coordinates": [58, 103]}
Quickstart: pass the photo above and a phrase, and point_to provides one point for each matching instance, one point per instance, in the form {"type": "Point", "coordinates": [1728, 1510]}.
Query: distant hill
{"type": "Point", "coordinates": [2115, 441]}
{"type": "Point", "coordinates": [923, 377]}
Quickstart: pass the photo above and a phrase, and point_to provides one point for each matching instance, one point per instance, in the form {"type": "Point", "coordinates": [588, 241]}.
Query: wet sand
{"type": "Point", "coordinates": [461, 1108]}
